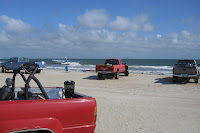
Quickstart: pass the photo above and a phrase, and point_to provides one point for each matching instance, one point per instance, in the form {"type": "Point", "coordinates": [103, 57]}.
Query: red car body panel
{"type": "Point", "coordinates": [76, 115]}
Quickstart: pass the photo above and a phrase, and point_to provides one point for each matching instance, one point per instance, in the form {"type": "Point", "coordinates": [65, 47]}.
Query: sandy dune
{"type": "Point", "coordinates": [139, 103]}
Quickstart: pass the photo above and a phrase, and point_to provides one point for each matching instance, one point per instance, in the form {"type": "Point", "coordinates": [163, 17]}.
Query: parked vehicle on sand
{"type": "Point", "coordinates": [112, 67]}
{"type": "Point", "coordinates": [45, 110]}
{"type": "Point", "coordinates": [186, 69]}
{"type": "Point", "coordinates": [15, 63]}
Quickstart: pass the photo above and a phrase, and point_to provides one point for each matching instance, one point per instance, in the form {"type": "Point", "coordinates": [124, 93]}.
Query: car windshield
{"type": "Point", "coordinates": [186, 62]}
{"type": "Point", "coordinates": [114, 62]}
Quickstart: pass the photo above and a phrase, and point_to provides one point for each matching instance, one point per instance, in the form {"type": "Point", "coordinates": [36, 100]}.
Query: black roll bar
{"type": "Point", "coordinates": [27, 81]}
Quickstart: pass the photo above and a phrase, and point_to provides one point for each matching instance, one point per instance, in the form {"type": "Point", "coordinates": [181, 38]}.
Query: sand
{"type": "Point", "coordinates": [139, 103]}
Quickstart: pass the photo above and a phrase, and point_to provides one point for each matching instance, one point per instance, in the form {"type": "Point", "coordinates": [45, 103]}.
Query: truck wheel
{"type": "Point", "coordinates": [100, 76]}
{"type": "Point", "coordinates": [197, 80]}
{"type": "Point", "coordinates": [27, 70]}
{"type": "Point", "coordinates": [3, 69]}
{"type": "Point", "coordinates": [126, 73]}
{"type": "Point", "coordinates": [38, 71]}
{"type": "Point", "coordinates": [117, 75]}
{"type": "Point", "coordinates": [173, 79]}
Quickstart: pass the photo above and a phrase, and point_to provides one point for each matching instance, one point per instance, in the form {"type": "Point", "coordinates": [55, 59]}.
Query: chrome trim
{"type": "Point", "coordinates": [184, 75]}
{"type": "Point", "coordinates": [104, 72]}
{"type": "Point", "coordinates": [27, 130]}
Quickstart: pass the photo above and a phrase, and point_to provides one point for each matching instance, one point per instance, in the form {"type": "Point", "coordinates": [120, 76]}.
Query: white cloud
{"type": "Point", "coordinates": [96, 42]}
{"type": "Point", "coordinates": [61, 27]}
{"type": "Point", "coordinates": [147, 27]}
{"type": "Point", "coordinates": [139, 23]}
{"type": "Point", "coordinates": [184, 40]}
{"type": "Point", "coordinates": [3, 37]}
{"type": "Point", "coordinates": [94, 18]}
{"type": "Point", "coordinates": [121, 23]}
{"type": "Point", "coordinates": [186, 34]}
{"type": "Point", "coordinates": [14, 25]}
{"type": "Point", "coordinates": [158, 36]}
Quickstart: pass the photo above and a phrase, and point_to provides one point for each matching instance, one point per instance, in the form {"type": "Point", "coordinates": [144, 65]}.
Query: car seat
{"type": "Point", "coordinates": [6, 91]}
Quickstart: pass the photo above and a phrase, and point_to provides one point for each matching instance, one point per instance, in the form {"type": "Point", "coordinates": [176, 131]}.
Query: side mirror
{"type": "Point", "coordinates": [175, 64]}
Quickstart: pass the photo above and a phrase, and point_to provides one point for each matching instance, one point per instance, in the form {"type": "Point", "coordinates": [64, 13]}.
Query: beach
{"type": "Point", "coordinates": [138, 103]}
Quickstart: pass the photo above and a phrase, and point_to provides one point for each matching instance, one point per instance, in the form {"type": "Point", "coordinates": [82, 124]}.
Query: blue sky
{"type": "Point", "coordinates": [100, 28]}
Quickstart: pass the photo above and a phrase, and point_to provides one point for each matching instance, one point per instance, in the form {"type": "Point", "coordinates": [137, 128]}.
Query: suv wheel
{"type": "Point", "coordinates": [3, 69]}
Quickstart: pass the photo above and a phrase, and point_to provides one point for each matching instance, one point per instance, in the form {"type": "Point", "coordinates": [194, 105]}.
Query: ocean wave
{"type": "Point", "coordinates": [90, 66]}
{"type": "Point", "coordinates": [75, 64]}
{"type": "Point", "coordinates": [65, 63]}
{"type": "Point", "coordinates": [58, 60]}
{"type": "Point", "coordinates": [140, 69]}
{"type": "Point", "coordinates": [153, 67]}
{"type": "Point", "coordinates": [55, 67]}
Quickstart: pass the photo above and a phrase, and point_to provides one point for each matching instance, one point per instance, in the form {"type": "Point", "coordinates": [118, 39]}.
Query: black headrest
{"type": "Point", "coordinates": [9, 82]}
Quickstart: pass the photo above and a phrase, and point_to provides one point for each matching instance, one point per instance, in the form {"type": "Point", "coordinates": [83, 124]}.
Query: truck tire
{"type": "Point", "coordinates": [117, 75]}
{"type": "Point", "coordinates": [196, 80]}
{"type": "Point", "coordinates": [3, 69]}
{"type": "Point", "coordinates": [38, 71]}
{"type": "Point", "coordinates": [126, 73]}
{"type": "Point", "coordinates": [173, 79]}
{"type": "Point", "coordinates": [27, 70]}
{"type": "Point", "coordinates": [100, 75]}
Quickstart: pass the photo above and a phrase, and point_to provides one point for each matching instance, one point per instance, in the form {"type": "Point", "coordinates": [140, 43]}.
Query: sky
{"type": "Point", "coordinates": [89, 29]}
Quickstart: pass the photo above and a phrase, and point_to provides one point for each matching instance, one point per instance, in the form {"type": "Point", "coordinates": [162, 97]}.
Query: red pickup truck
{"type": "Point", "coordinates": [112, 68]}
{"type": "Point", "coordinates": [45, 110]}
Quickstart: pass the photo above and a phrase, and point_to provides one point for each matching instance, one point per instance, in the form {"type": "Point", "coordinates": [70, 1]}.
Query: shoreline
{"type": "Point", "coordinates": [132, 72]}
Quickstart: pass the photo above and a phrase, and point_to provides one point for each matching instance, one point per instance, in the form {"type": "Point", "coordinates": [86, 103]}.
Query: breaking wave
{"type": "Point", "coordinates": [142, 66]}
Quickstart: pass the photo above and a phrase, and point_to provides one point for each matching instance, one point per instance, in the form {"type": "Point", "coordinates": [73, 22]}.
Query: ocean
{"type": "Point", "coordinates": [155, 66]}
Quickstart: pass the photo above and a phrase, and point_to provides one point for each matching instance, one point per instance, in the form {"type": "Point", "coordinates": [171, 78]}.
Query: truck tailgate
{"type": "Point", "coordinates": [184, 70]}
{"type": "Point", "coordinates": [104, 67]}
